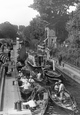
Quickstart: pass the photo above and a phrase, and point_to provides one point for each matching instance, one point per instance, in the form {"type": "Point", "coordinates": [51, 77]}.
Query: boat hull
{"type": "Point", "coordinates": [26, 94]}
{"type": "Point", "coordinates": [68, 103]}
{"type": "Point", "coordinates": [41, 104]}
{"type": "Point", "coordinates": [52, 75]}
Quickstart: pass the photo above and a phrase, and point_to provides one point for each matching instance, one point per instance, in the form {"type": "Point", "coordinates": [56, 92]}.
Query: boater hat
{"type": "Point", "coordinates": [58, 82]}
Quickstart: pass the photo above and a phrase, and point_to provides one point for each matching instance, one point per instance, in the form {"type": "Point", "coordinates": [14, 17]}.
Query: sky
{"type": "Point", "coordinates": [16, 12]}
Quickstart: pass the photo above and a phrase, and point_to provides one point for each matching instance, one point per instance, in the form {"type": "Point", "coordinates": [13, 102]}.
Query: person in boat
{"type": "Point", "coordinates": [31, 79]}
{"type": "Point", "coordinates": [60, 89]}
{"type": "Point", "coordinates": [20, 74]}
{"type": "Point", "coordinates": [24, 79]}
{"type": "Point", "coordinates": [38, 75]}
{"type": "Point", "coordinates": [31, 104]}
{"type": "Point", "coordinates": [25, 85]}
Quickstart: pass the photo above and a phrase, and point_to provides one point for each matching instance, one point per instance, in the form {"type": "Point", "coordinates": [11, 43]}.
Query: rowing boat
{"type": "Point", "coordinates": [52, 75]}
{"type": "Point", "coordinates": [68, 101]}
{"type": "Point", "coordinates": [41, 98]}
{"type": "Point", "coordinates": [26, 94]}
{"type": "Point", "coordinates": [38, 103]}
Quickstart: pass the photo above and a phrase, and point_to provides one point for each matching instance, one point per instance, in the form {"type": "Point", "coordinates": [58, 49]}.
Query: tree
{"type": "Point", "coordinates": [37, 28]}
{"type": "Point", "coordinates": [73, 27]}
{"type": "Point", "coordinates": [52, 7]}
{"type": "Point", "coordinates": [35, 32]}
{"type": "Point", "coordinates": [71, 53]}
{"type": "Point", "coordinates": [21, 28]}
{"type": "Point", "coordinates": [54, 12]}
{"type": "Point", "coordinates": [1, 35]}
{"type": "Point", "coordinates": [26, 33]}
{"type": "Point", "coordinates": [8, 30]}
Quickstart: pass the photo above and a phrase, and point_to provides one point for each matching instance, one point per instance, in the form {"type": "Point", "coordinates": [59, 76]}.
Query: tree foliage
{"type": "Point", "coordinates": [55, 13]}
{"type": "Point", "coordinates": [73, 27]}
{"type": "Point", "coordinates": [35, 32]}
{"type": "Point", "coordinates": [8, 30]}
{"type": "Point", "coordinates": [52, 8]}
{"type": "Point", "coordinates": [71, 53]}
{"type": "Point", "coordinates": [21, 28]}
{"type": "Point", "coordinates": [37, 28]}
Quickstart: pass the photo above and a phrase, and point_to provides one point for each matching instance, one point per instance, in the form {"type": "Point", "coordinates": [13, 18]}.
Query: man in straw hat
{"type": "Point", "coordinates": [59, 88]}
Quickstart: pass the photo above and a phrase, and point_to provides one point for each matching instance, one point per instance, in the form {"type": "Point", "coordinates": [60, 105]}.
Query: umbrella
{"type": "Point", "coordinates": [3, 57]}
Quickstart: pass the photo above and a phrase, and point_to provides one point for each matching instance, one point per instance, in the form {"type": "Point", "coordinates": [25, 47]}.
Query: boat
{"type": "Point", "coordinates": [52, 75]}
{"type": "Point", "coordinates": [42, 99]}
{"type": "Point", "coordinates": [38, 104]}
{"type": "Point", "coordinates": [68, 102]}
{"type": "Point", "coordinates": [44, 81]}
{"type": "Point", "coordinates": [33, 67]}
{"type": "Point", "coordinates": [27, 93]}
{"type": "Point", "coordinates": [26, 72]}
{"type": "Point", "coordinates": [35, 61]}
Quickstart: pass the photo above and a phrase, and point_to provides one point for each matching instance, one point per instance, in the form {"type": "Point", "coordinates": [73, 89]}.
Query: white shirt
{"type": "Point", "coordinates": [38, 75]}
{"type": "Point", "coordinates": [56, 87]}
{"type": "Point", "coordinates": [61, 87]}
{"type": "Point", "coordinates": [26, 86]}
{"type": "Point", "coordinates": [31, 103]}
{"type": "Point", "coordinates": [31, 80]}
{"type": "Point", "coordinates": [24, 80]}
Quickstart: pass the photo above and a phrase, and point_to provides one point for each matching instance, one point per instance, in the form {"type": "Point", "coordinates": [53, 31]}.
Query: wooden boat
{"type": "Point", "coordinates": [33, 61]}
{"type": "Point", "coordinates": [41, 100]}
{"type": "Point", "coordinates": [26, 94]}
{"type": "Point", "coordinates": [52, 74]}
{"type": "Point", "coordinates": [26, 72]}
{"type": "Point", "coordinates": [34, 67]}
{"type": "Point", "coordinates": [68, 102]}
{"type": "Point", "coordinates": [44, 81]}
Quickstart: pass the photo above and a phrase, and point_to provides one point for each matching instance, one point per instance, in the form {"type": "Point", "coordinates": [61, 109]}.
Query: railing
{"type": "Point", "coordinates": [2, 82]}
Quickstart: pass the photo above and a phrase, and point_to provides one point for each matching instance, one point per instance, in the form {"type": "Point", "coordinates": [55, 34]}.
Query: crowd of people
{"type": "Point", "coordinates": [24, 81]}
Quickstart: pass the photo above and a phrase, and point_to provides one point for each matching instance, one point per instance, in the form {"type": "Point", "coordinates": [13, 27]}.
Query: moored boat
{"type": "Point", "coordinates": [68, 102]}
{"type": "Point", "coordinates": [42, 102]}
{"type": "Point", "coordinates": [25, 94]}
{"type": "Point", "coordinates": [52, 75]}
{"type": "Point", "coordinates": [35, 61]}
{"type": "Point", "coordinates": [39, 103]}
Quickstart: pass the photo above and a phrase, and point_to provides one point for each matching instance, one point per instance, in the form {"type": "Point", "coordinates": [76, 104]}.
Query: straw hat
{"type": "Point", "coordinates": [58, 82]}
